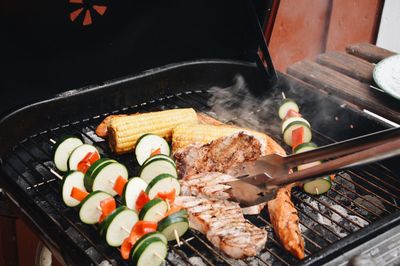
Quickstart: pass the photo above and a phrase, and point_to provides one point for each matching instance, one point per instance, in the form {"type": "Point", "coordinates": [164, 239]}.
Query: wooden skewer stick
{"type": "Point", "coordinates": [159, 213]}
{"type": "Point", "coordinates": [52, 141]}
{"type": "Point", "coordinates": [283, 95]}
{"type": "Point", "coordinates": [56, 174]}
{"type": "Point", "coordinates": [177, 238]}
{"type": "Point", "coordinates": [316, 189]}
{"type": "Point", "coordinates": [111, 181]}
{"type": "Point", "coordinates": [158, 256]}
{"type": "Point", "coordinates": [99, 208]}
{"type": "Point", "coordinates": [168, 205]}
{"type": "Point", "coordinates": [125, 229]}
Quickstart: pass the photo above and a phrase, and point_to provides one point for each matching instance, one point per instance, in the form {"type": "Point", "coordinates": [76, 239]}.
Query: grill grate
{"type": "Point", "coordinates": [357, 198]}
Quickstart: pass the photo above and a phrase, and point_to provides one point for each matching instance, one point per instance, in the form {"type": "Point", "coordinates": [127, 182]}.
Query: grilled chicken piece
{"type": "Point", "coordinates": [217, 156]}
{"type": "Point", "coordinates": [212, 185]}
{"type": "Point", "coordinates": [224, 225]}
{"type": "Point", "coordinates": [285, 220]}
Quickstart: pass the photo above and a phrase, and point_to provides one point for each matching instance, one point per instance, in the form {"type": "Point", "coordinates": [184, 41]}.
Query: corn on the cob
{"type": "Point", "coordinates": [184, 135]}
{"type": "Point", "coordinates": [125, 131]}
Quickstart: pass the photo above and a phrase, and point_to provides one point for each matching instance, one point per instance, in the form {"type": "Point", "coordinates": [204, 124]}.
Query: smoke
{"type": "Point", "coordinates": [237, 104]}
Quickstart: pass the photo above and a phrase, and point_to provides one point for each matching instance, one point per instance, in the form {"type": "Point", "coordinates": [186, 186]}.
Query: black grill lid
{"type": "Point", "coordinates": [54, 46]}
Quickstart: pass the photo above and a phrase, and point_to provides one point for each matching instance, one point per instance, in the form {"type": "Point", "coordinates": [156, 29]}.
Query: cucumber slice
{"type": "Point", "coordinates": [148, 143]}
{"type": "Point", "coordinates": [156, 167]}
{"type": "Point", "coordinates": [287, 134]}
{"type": "Point", "coordinates": [89, 212]}
{"type": "Point", "coordinates": [141, 240]}
{"type": "Point", "coordinates": [163, 183]}
{"type": "Point", "coordinates": [117, 226]}
{"type": "Point", "coordinates": [154, 210]}
{"type": "Point", "coordinates": [132, 190]}
{"type": "Point", "coordinates": [170, 224]}
{"type": "Point", "coordinates": [152, 251]}
{"type": "Point", "coordinates": [96, 164]}
{"type": "Point", "coordinates": [306, 146]}
{"type": "Point", "coordinates": [73, 179]}
{"type": "Point", "coordinates": [78, 154]}
{"type": "Point", "coordinates": [318, 186]}
{"type": "Point", "coordinates": [104, 177]}
{"type": "Point", "coordinates": [294, 119]}
{"type": "Point", "coordinates": [93, 171]}
{"type": "Point", "coordinates": [163, 156]}
{"type": "Point", "coordinates": [286, 105]}
{"type": "Point", "coordinates": [62, 151]}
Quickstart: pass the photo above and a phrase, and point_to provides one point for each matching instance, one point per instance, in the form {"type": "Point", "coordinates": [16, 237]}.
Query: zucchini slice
{"type": "Point", "coordinates": [318, 186]}
{"type": "Point", "coordinates": [94, 170]}
{"type": "Point", "coordinates": [132, 190]}
{"type": "Point", "coordinates": [62, 151]}
{"type": "Point", "coordinates": [287, 134]}
{"type": "Point", "coordinates": [170, 224]}
{"type": "Point", "coordinates": [154, 210]}
{"type": "Point", "coordinates": [152, 251]}
{"type": "Point", "coordinates": [286, 105]}
{"type": "Point", "coordinates": [163, 183]}
{"type": "Point", "coordinates": [306, 146]}
{"type": "Point", "coordinates": [149, 143]}
{"type": "Point", "coordinates": [117, 226]}
{"type": "Point", "coordinates": [78, 154]}
{"type": "Point", "coordinates": [89, 212]}
{"type": "Point", "coordinates": [141, 240]}
{"type": "Point", "coordinates": [104, 177]}
{"type": "Point", "coordinates": [163, 156]}
{"type": "Point", "coordinates": [156, 167]}
{"type": "Point", "coordinates": [73, 179]}
{"type": "Point", "coordinates": [293, 119]}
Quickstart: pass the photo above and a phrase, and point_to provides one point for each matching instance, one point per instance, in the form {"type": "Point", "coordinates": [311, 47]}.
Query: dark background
{"type": "Point", "coordinates": [45, 53]}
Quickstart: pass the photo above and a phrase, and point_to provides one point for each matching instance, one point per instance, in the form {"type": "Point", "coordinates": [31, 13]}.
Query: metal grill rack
{"type": "Point", "coordinates": [358, 199]}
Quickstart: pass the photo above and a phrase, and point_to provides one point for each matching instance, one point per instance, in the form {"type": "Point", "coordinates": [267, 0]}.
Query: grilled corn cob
{"type": "Point", "coordinates": [126, 130]}
{"type": "Point", "coordinates": [183, 135]}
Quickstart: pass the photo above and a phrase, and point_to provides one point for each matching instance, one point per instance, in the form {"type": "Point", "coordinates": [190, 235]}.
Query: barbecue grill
{"type": "Point", "coordinates": [361, 205]}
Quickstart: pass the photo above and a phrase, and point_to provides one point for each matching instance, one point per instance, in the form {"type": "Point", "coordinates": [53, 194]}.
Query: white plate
{"type": "Point", "coordinates": [387, 75]}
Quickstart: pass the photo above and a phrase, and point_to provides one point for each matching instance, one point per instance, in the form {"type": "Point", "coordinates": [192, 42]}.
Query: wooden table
{"type": "Point", "coordinates": [348, 75]}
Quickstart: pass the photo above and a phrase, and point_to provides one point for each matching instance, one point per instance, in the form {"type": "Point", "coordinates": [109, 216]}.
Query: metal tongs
{"type": "Point", "coordinates": [258, 181]}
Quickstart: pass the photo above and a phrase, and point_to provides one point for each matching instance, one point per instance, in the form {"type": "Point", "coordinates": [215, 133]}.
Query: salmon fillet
{"type": "Point", "coordinates": [224, 225]}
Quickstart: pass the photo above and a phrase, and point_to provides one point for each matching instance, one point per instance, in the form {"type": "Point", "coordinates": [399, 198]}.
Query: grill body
{"type": "Point", "coordinates": [328, 231]}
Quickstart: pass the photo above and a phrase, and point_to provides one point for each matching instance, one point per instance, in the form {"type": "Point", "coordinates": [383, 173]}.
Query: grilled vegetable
{"type": "Point", "coordinates": [318, 185]}
{"type": "Point", "coordinates": [163, 183]}
{"type": "Point", "coordinates": [158, 156]}
{"type": "Point", "coordinates": [90, 210]}
{"type": "Point", "coordinates": [119, 185]}
{"type": "Point", "coordinates": [184, 135]}
{"type": "Point", "coordinates": [173, 226]}
{"type": "Point", "coordinates": [145, 237]}
{"type": "Point", "coordinates": [62, 151]}
{"type": "Point", "coordinates": [94, 166]}
{"type": "Point", "coordinates": [156, 167]}
{"type": "Point", "coordinates": [78, 194]}
{"type": "Point", "coordinates": [149, 145]}
{"type": "Point", "coordinates": [132, 191]}
{"type": "Point", "coordinates": [152, 251]}
{"type": "Point", "coordinates": [124, 132]}
{"type": "Point", "coordinates": [73, 179]}
{"type": "Point", "coordinates": [79, 154]}
{"type": "Point", "coordinates": [107, 206]}
{"type": "Point", "coordinates": [103, 178]}
{"type": "Point", "coordinates": [297, 136]}
{"type": "Point", "coordinates": [286, 106]}
{"type": "Point", "coordinates": [292, 124]}
{"type": "Point", "coordinates": [154, 210]}
{"type": "Point", "coordinates": [141, 200]}
{"type": "Point", "coordinates": [117, 226]}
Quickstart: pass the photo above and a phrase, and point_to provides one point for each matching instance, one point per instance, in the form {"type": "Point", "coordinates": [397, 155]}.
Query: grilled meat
{"type": "Point", "coordinates": [212, 185]}
{"type": "Point", "coordinates": [285, 220]}
{"type": "Point", "coordinates": [217, 156]}
{"type": "Point", "coordinates": [224, 225]}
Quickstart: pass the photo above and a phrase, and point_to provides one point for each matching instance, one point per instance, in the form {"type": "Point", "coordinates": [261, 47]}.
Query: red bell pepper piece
{"type": "Point", "coordinates": [119, 185]}
{"type": "Point", "coordinates": [141, 200]}
{"type": "Point", "coordinates": [87, 161]}
{"type": "Point", "coordinates": [297, 136]}
{"type": "Point", "coordinates": [167, 196]}
{"type": "Point", "coordinates": [291, 113]}
{"type": "Point", "coordinates": [139, 229]}
{"type": "Point", "coordinates": [107, 206]}
{"type": "Point", "coordinates": [78, 194]}
{"type": "Point", "coordinates": [155, 152]}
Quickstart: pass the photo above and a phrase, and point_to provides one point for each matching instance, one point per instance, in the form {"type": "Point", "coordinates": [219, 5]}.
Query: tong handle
{"type": "Point", "coordinates": [343, 148]}
{"type": "Point", "coordinates": [390, 148]}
